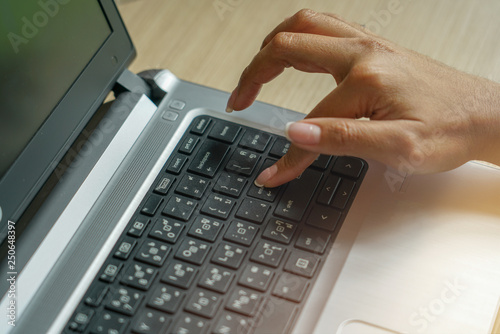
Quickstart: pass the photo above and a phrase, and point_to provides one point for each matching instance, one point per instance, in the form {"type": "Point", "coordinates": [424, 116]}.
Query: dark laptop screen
{"type": "Point", "coordinates": [44, 46]}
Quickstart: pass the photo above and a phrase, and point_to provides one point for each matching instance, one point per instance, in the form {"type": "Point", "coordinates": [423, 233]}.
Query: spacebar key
{"type": "Point", "coordinates": [297, 195]}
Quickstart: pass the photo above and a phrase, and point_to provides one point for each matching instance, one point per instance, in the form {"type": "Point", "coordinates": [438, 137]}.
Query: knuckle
{"type": "Point", "coordinates": [304, 17]}
{"type": "Point", "coordinates": [343, 135]}
{"type": "Point", "coordinates": [368, 74]}
{"type": "Point", "coordinates": [369, 44]}
{"type": "Point", "coordinates": [291, 159]}
{"type": "Point", "coordinates": [281, 43]}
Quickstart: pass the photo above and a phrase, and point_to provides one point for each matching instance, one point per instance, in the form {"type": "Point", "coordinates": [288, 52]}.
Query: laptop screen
{"type": "Point", "coordinates": [58, 61]}
{"type": "Point", "coordinates": [40, 38]}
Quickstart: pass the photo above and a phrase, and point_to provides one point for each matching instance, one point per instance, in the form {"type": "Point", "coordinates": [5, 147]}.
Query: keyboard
{"type": "Point", "coordinates": [207, 251]}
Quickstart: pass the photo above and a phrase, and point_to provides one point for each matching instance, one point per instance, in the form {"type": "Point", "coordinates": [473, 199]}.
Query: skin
{"type": "Point", "coordinates": [420, 110]}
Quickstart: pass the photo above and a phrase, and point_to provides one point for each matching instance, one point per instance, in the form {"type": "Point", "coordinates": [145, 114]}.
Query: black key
{"type": "Point", "coordinates": [266, 194]}
{"type": "Point", "coordinates": [139, 276]}
{"type": "Point", "coordinates": [328, 189]}
{"type": "Point", "coordinates": [166, 230]}
{"type": "Point", "coordinates": [321, 162]}
{"type": "Point", "coordinates": [96, 294]}
{"type": "Point", "coordinates": [153, 252]}
{"type": "Point", "coordinates": [242, 162]}
{"type": "Point", "coordinates": [124, 248]}
{"type": "Point", "coordinates": [225, 131]}
{"type": "Point", "coordinates": [164, 185]}
{"type": "Point", "coordinates": [302, 263]}
{"type": "Point", "coordinates": [241, 233]}
{"type": "Point", "coordinates": [280, 147]}
{"type": "Point", "coordinates": [125, 301]}
{"type": "Point", "coordinates": [230, 184]}
{"type": "Point", "coordinates": [176, 164]}
{"type": "Point", "coordinates": [244, 301]}
{"type": "Point", "coordinates": [150, 322]}
{"type": "Point", "coordinates": [253, 210]}
{"type": "Point", "coordinates": [348, 166]}
{"type": "Point", "coordinates": [179, 207]}
{"type": "Point", "coordinates": [256, 277]}
{"type": "Point", "coordinates": [279, 230]}
{"type": "Point", "coordinates": [276, 316]}
{"type": "Point", "coordinates": [203, 303]}
{"type": "Point", "coordinates": [179, 274]}
{"type": "Point", "coordinates": [216, 279]}
{"type": "Point", "coordinates": [166, 298]}
{"type": "Point", "coordinates": [268, 254]}
{"type": "Point", "coordinates": [192, 186]}
{"type": "Point", "coordinates": [297, 195]}
{"type": "Point", "coordinates": [229, 255]}
{"type": "Point", "coordinates": [189, 144]}
{"type": "Point", "coordinates": [291, 287]}
{"type": "Point", "coordinates": [200, 125]}
{"type": "Point", "coordinates": [208, 159]}
{"type": "Point", "coordinates": [81, 320]}
{"type": "Point", "coordinates": [229, 323]}
{"type": "Point", "coordinates": [324, 217]}
{"type": "Point", "coordinates": [152, 204]}
{"type": "Point", "coordinates": [218, 206]}
{"type": "Point", "coordinates": [255, 140]}
{"type": "Point", "coordinates": [192, 251]}
{"type": "Point", "coordinates": [109, 322]}
{"type": "Point", "coordinates": [190, 324]}
{"type": "Point", "coordinates": [138, 227]}
{"type": "Point", "coordinates": [313, 240]}
{"type": "Point", "coordinates": [205, 228]}
{"type": "Point", "coordinates": [343, 193]}
{"type": "Point", "coordinates": [110, 271]}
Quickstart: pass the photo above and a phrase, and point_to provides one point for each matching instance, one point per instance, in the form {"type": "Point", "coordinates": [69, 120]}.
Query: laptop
{"type": "Point", "coordinates": [140, 215]}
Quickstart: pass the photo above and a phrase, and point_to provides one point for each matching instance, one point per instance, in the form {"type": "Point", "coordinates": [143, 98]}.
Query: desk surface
{"type": "Point", "coordinates": [211, 41]}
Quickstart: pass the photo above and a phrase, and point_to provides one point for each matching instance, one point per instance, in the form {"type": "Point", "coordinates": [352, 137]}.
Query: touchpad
{"type": "Point", "coordinates": [363, 327]}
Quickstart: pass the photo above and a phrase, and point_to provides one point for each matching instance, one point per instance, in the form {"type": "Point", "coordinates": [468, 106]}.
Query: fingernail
{"type": "Point", "coordinates": [303, 133]}
{"type": "Point", "coordinates": [266, 174]}
{"type": "Point", "coordinates": [230, 102]}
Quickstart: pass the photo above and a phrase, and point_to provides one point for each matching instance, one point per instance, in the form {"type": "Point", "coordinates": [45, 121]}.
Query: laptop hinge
{"type": "Point", "coordinates": [130, 82]}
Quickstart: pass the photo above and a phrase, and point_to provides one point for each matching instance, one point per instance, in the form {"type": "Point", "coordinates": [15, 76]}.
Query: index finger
{"type": "Point", "coordinates": [311, 22]}
{"type": "Point", "coordinates": [305, 52]}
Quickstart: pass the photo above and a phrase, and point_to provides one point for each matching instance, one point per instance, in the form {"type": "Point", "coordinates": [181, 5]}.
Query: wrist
{"type": "Point", "coordinates": [487, 120]}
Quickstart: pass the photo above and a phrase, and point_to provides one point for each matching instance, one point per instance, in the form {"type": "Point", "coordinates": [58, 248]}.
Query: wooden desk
{"type": "Point", "coordinates": [210, 46]}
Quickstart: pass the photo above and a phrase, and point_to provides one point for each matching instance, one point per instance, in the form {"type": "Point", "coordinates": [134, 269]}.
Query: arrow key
{"type": "Point", "coordinates": [343, 193]}
{"type": "Point", "coordinates": [348, 166]}
{"type": "Point", "coordinates": [324, 217]}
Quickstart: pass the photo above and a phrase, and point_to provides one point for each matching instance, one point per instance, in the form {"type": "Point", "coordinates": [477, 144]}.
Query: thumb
{"type": "Point", "coordinates": [378, 140]}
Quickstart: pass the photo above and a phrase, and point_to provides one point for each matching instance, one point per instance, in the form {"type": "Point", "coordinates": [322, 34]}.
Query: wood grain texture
{"type": "Point", "coordinates": [199, 43]}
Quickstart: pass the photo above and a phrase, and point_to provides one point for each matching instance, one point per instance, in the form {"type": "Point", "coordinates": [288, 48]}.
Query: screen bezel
{"type": "Point", "coordinates": [37, 161]}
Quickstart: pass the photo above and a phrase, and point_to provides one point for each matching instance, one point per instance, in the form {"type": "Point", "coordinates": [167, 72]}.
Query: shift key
{"type": "Point", "coordinates": [298, 195]}
{"type": "Point", "coordinates": [209, 158]}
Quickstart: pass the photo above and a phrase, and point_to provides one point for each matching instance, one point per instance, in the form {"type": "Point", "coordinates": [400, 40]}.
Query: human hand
{"type": "Point", "coordinates": [421, 111]}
